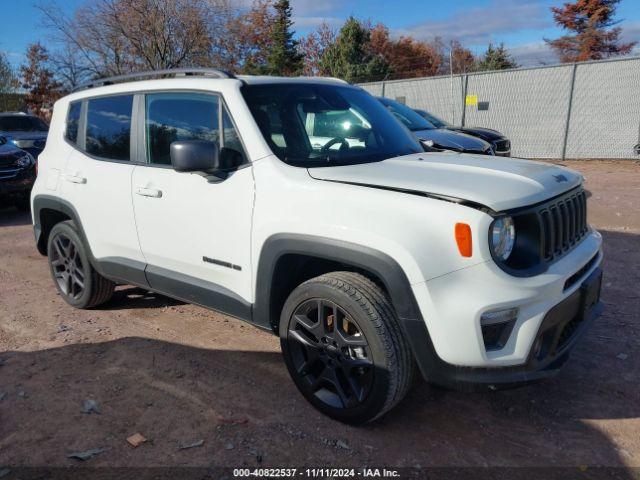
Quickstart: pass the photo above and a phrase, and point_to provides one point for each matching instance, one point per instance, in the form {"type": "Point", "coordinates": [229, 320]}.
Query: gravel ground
{"type": "Point", "coordinates": [178, 374]}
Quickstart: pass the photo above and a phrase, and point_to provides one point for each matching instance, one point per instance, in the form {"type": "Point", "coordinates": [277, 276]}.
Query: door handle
{"type": "Point", "coordinates": [149, 192]}
{"type": "Point", "coordinates": [76, 179]}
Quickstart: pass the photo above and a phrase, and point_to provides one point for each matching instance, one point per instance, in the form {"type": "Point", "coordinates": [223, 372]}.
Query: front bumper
{"type": "Point", "coordinates": [549, 306]}
{"type": "Point", "coordinates": [18, 183]}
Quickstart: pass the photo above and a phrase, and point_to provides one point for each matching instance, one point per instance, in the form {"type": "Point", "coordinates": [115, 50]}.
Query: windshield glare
{"type": "Point", "coordinates": [409, 117]}
{"type": "Point", "coordinates": [316, 125]}
{"type": "Point", "coordinates": [22, 123]}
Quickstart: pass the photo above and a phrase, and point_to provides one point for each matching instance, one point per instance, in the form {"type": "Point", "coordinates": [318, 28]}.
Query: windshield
{"type": "Point", "coordinates": [22, 123]}
{"type": "Point", "coordinates": [412, 120]}
{"type": "Point", "coordinates": [435, 121]}
{"type": "Point", "coordinates": [314, 125]}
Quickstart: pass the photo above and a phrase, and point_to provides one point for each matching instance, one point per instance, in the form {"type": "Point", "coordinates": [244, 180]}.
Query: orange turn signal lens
{"type": "Point", "coordinates": [463, 239]}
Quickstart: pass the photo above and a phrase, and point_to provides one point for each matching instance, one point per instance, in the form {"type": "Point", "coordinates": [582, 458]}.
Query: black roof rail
{"type": "Point", "coordinates": [170, 72]}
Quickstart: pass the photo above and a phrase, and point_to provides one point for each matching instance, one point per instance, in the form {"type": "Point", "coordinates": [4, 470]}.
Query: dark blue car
{"type": "Point", "coordinates": [27, 132]}
{"type": "Point", "coordinates": [431, 136]}
{"type": "Point", "coordinates": [17, 175]}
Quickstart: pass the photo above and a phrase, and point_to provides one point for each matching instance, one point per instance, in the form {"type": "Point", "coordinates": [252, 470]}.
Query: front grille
{"type": "Point", "coordinates": [563, 223]}
{"type": "Point", "coordinates": [502, 145]}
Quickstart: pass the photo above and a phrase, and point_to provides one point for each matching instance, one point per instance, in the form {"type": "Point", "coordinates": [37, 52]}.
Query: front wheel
{"type": "Point", "coordinates": [343, 347]}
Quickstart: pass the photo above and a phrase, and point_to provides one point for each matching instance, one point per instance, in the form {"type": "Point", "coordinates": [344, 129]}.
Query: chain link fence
{"type": "Point", "coordinates": [584, 110]}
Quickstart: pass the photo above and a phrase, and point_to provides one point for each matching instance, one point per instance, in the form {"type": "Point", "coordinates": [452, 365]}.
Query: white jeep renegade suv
{"type": "Point", "coordinates": [302, 206]}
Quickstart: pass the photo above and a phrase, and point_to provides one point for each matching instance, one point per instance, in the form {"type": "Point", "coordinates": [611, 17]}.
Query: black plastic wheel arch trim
{"type": "Point", "coordinates": [379, 264]}
{"type": "Point", "coordinates": [114, 268]}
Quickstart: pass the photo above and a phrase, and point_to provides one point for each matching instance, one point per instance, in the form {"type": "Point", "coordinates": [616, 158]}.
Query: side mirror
{"type": "Point", "coordinates": [195, 156]}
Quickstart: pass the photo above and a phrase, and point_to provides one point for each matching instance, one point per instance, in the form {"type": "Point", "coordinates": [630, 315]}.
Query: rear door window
{"type": "Point", "coordinates": [109, 127]}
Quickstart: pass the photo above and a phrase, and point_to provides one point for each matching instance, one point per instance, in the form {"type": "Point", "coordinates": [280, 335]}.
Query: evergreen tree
{"type": "Point", "coordinates": [283, 57]}
{"type": "Point", "coordinates": [350, 58]}
{"type": "Point", "coordinates": [592, 39]}
{"type": "Point", "coordinates": [496, 58]}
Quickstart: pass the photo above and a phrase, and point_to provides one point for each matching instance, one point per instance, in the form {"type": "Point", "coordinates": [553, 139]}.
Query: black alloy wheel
{"type": "Point", "coordinates": [331, 353]}
{"type": "Point", "coordinates": [344, 348]}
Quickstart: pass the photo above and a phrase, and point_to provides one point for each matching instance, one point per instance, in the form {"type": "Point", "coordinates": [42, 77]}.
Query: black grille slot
{"type": "Point", "coordinates": [564, 223]}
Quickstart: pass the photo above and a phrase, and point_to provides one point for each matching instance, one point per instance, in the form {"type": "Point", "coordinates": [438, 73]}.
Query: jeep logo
{"type": "Point", "coordinates": [560, 178]}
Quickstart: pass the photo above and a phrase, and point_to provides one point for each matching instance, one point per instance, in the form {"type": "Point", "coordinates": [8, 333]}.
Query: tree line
{"type": "Point", "coordinates": [113, 37]}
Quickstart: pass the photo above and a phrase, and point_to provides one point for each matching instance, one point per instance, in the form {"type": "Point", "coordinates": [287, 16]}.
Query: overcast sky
{"type": "Point", "coordinates": [521, 25]}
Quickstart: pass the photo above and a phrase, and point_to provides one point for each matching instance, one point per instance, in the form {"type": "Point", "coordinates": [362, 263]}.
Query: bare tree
{"type": "Point", "coordinates": [111, 37]}
{"type": "Point", "coordinates": [244, 43]}
{"type": "Point", "coordinates": [8, 80]}
{"type": "Point", "coordinates": [69, 69]}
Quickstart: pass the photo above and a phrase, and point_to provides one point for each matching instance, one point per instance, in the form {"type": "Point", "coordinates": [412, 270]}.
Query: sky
{"type": "Point", "coordinates": [520, 24]}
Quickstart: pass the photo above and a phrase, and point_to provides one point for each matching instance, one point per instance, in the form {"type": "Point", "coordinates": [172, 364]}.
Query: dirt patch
{"type": "Point", "coordinates": [178, 374]}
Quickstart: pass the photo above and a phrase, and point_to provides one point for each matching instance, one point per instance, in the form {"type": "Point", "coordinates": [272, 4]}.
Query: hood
{"type": "Point", "coordinates": [448, 139]}
{"type": "Point", "coordinates": [483, 133]}
{"type": "Point", "coordinates": [495, 182]}
{"type": "Point", "coordinates": [24, 135]}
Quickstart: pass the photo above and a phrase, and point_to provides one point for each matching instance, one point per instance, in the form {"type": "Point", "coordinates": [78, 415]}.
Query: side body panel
{"type": "Point", "coordinates": [101, 193]}
{"type": "Point", "coordinates": [197, 228]}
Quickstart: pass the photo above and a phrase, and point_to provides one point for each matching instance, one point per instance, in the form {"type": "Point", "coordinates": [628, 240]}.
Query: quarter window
{"type": "Point", "coordinates": [73, 121]}
{"type": "Point", "coordinates": [109, 127]}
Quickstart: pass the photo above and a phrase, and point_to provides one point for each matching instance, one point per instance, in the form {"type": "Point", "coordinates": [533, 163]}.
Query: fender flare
{"type": "Point", "coordinates": [42, 202]}
{"type": "Point", "coordinates": [379, 264]}
{"type": "Point", "coordinates": [116, 269]}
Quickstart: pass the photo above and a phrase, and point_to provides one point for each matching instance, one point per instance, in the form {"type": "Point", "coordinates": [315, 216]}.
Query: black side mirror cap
{"type": "Point", "coordinates": [230, 159]}
{"type": "Point", "coordinates": [195, 156]}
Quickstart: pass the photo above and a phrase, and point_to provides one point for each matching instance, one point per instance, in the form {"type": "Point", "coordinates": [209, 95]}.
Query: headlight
{"type": "Point", "coordinates": [25, 161]}
{"type": "Point", "coordinates": [23, 143]}
{"type": "Point", "coordinates": [503, 237]}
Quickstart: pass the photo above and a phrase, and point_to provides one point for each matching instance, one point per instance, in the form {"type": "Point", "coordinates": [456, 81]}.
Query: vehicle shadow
{"type": "Point", "coordinates": [126, 297]}
{"type": "Point", "coordinates": [12, 217]}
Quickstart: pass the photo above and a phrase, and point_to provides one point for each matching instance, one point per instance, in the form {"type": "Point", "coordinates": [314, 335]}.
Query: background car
{"type": "Point", "coordinates": [17, 175]}
{"type": "Point", "coordinates": [501, 144]}
{"type": "Point", "coordinates": [441, 138]}
{"type": "Point", "coordinates": [25, 131]}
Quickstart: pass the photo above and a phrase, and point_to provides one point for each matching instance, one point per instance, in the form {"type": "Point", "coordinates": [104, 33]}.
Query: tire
{"type": "Point", "coordinates": [343, 347]}
{"type": "Point", "coordinates": [77, 281]}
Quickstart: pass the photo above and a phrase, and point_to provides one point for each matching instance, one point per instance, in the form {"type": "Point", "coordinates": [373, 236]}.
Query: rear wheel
{"type": "Point", "coordinates": [343, 347]}
{"type": "Point", "coordinates": [76, 280]}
